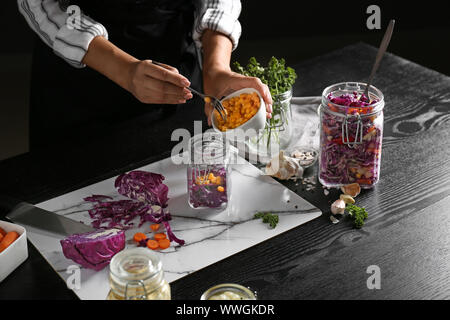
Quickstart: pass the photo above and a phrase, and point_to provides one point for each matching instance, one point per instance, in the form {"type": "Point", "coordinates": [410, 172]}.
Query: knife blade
{"type": "Point", "coordinates": [29, 215]}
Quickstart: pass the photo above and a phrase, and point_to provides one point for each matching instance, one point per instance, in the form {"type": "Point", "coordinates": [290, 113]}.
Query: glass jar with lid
{"type": "Point", "coordinates": [351, 134]}
{"type": "Point", "coordinates": [136, 274]}
{"type": "Point", "coordinates": [209, 172]}
{"type": "Point", "coordinates": [228, 291]}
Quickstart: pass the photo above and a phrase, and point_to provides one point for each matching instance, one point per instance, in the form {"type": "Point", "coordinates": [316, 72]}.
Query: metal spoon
{"type": "Point", "coordinates": [381, 50]}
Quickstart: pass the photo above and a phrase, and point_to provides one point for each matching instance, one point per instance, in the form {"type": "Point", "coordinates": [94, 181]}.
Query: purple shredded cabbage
{"type": "Point", "coordinates": [170, 234]}
{"type": "Point", "coordinates": [340, 164]}
{"type": "Point", "coordinates": [147, 200]}
{"type": "Point", "coordinates": [143, 243]}
{"type": "Point", "coordinates": [351, 100]}
{"type": "Point", "coordinates": [207, 195]}
{"type": "Point", "coordinates": [119, 213]}
{"type": "Point", "coordinates": [143, 186]}
{"type": "Point", "coordinates": [97, 198]}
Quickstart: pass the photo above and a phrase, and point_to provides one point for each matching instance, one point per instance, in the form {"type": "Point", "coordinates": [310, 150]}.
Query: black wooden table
{"type": "Point", "coordinates": [406, 235]}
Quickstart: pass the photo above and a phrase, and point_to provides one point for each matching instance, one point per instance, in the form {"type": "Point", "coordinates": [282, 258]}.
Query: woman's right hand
{"type": "Point", "coordinates": [148, 82]}
{"type": "Point", "coordinates": [159, 84]}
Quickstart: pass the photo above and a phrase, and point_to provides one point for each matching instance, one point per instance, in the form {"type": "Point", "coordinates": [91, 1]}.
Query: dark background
{"type": "Point", "coordinates": [299, 30]}
{"type": "Point", "coordinates": [295, 30]}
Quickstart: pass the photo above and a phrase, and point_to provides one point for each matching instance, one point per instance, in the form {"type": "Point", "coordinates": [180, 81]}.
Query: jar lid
{"type": "Point", "coordinates": [131, 265]}
{"type": "Point", "coordinates": [208, 148]}
{"type": "Point", "coordinates": [228, 291]}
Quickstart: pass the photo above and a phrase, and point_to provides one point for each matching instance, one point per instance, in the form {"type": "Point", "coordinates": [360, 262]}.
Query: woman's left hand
{"type": "Point", "coordinates": [219, 83]}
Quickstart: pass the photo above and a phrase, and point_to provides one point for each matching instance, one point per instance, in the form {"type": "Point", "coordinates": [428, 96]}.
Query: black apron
{"type": "Point", "coordinates": [70, 105]}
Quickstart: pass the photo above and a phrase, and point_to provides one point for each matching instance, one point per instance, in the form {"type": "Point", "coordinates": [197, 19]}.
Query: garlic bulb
{"type": "Point", "coordinates": [284, 167]}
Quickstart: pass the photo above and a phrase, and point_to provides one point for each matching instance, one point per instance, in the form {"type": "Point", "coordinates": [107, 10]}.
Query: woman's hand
{"type": "Point", "coordinates": [148, 82]}
{"type": "Point", "coordinates": [221, 82]}
{"type": "Point", "coordinates": [162, 84]}
{"type": "Point", "coordinates": [218, 79]}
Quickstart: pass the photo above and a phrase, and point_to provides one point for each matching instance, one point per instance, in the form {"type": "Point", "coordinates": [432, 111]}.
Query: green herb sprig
{"type": "Point", "coordinates": [267, 217]}
{"type": "Point", "coordinates": [275, 75]}
{"type": "Point", "coordinates": [357, 214]}
{"type": "Point", "coordinates": [279, 78]}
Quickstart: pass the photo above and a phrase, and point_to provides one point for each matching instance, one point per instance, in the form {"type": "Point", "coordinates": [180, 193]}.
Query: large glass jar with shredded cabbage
{"type": "Point", "coordinates": [351, 134]}
{"type": "Point", "coordinates": [209, 172]}
{"type": "Point", "coordinates": [136, 274]}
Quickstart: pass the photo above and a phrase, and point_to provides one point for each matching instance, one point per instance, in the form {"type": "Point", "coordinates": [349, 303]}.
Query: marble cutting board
{"type": "Point", "coordinates": [210, 235]}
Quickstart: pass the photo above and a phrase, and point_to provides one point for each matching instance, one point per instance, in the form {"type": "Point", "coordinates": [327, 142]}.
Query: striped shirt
{"type": "Point", "coordinates": [69, 32]}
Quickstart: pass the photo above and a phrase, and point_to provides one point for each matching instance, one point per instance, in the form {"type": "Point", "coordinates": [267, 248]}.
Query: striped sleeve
{"type": "Point", "coordinates": [218, 15]}
{"type": "Point", "coordinates": [68, 35]}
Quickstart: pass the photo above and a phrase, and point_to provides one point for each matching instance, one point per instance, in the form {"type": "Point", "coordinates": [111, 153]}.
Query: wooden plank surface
{"type": "Point", "coordinates": [407, 233]}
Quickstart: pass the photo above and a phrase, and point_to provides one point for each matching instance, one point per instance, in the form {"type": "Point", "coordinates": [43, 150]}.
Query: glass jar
{"type": "Point", "coordinates": [277, 134]}
{"type": "Point", "coordinates": [209, 172]}
{"type": "Point", "coordinates": [228, 291]}
{"type": "Point", "coordinates": [136, 274]}
{"type": "Point", "coordinates": [350, 135]}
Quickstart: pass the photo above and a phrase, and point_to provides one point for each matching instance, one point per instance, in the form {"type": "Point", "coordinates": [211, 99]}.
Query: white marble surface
{"type": "Point", "coordinates": [210, 236]}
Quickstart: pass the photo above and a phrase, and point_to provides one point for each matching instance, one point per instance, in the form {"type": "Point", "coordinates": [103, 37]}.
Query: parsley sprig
{"type": "Point", "coordinates": [279, 78]}
{"type": "Point", "coordinates": [357, 214]}
{"type": "Point", "coordinates": [267, 217]}
{"type": "Point", "coordinates": [275, 75]}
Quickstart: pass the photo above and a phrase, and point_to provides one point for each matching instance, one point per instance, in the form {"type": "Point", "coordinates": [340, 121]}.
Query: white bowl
{"type": "Point", "coordinates": [257, 122]}
{"type": "Point", "coordinates": [16, 253]}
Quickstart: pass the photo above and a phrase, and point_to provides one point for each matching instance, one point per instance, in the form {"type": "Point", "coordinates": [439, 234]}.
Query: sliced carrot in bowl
{"type": "Point", "coordinates": [8, 239]}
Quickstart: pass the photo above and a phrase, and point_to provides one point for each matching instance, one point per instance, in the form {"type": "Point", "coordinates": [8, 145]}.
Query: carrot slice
{"type": "Point", "coordinates": [152, 244]}
{"type": "Point", "coordinates": [160, 236]}
{"type": "Point", "coordinates": [371, 129]}
{"type": "Point", "coordinates": [2, 232]}
{"type": "Point", "coordinates": [1, 237]}
{"type": "Point", "coordinates": [154, 227]}
{"type": "Point", "coordinates": [139, 236]}
{"type": "Point", "coordinates": [164, 243]}
{"type": "Point", "coordinates": [9, 238]}
{"type": "Point", "coordinates": [364, 181]}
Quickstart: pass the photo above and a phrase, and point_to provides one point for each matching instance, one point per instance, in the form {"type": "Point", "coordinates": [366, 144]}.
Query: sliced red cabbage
{"type": "Point", "coordinates": [93, 250]}
{"type": "Point", "coordinates": [147, 200]}
{"type": "Point", "coordinates": [117, 214]}
{"type": "Point", "coordinates": [143, 186]}
{"type": "Point", "coordinates": [171, 235]}
{"type": "Point", "coordinates": [97, 198]}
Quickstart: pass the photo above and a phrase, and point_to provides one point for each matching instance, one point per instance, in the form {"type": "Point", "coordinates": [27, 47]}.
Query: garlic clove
{"type": "Point", "coordinates": [347, 199]}
{"type": "Point", "coordinates": [338, 207]}
{"type": "Point", "coordinates": [334, 220]}
{"type": "Point", "coordinates": [284, 167]}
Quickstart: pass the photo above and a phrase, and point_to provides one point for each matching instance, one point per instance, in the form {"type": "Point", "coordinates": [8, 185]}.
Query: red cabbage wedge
{"type": "Point", "coordinates": [94, 250]}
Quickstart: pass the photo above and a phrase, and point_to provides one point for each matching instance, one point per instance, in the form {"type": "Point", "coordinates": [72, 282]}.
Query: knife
{"type": "Point", "coordinates": [28, 215]}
